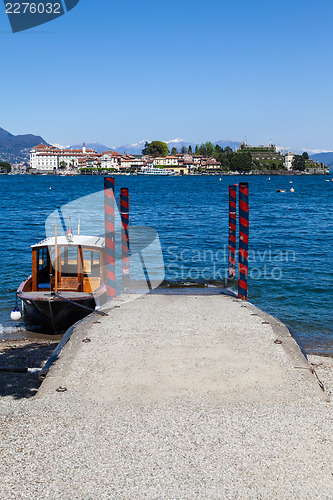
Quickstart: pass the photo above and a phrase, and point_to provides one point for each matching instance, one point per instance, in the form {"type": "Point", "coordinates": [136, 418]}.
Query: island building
{"type": "Point", "coordinates": [314, 167]}
{"type": "Point", "coordinates": [166, 161]}
{"type": "Point", "coordinates": [311, 166]}
{"type": "Point", "coordinates": [110, 159]}
{"type": "Point", "coordinates": [263, 155]}
{"type": "Point", "coordinates": [49, 159]}
{"type": "Point", "coordinates": [52, 160]}
{"type": "Point", "coordinates": [288, 160]}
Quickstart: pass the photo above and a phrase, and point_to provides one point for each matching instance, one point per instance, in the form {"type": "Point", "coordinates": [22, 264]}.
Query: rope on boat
{"type": "Point", "coordinates": [80, 305]}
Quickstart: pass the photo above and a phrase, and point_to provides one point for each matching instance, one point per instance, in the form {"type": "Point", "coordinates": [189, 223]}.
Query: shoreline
{"type": "Point", "coordinates": [223, 173]}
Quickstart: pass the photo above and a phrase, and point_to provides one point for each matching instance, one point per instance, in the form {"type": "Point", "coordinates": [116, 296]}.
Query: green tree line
{"type": "Point", "coordinates": [4, 166]}
{"type": "Point", "coordinates": [299, 162]}
{"type": "Point", "coordinates": [231, 161]}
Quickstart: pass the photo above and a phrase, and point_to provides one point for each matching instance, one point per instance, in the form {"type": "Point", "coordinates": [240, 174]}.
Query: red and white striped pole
{"type": "Point", "coordinates": [110, 239]}
{"type": "Point", "coordinates": [124, 212]}
{"type": "Point", "coordinates": [232, 232]}
{"type": "Point", "coordinates": [243, 239]}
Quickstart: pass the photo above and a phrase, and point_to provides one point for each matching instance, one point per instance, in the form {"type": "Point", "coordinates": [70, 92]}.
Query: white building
{"type": "Point", "coordinates": [197, 159]}
{"type": "Point", "coordinates": [288, 161]}
{"type": "Point", "coordinates": [49, 159]}
{"type": "Point", "coordinates": [166, 161]}
{"type": "Point", "coordinates": [110, 159]}
{"type": "Point", "coordinates": [131, 162]}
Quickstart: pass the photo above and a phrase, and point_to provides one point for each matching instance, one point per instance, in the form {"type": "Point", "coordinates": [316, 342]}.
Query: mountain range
{"type": "Point", "coordinates": [15, 148]}
{"type": "Point", "coordinates": [326, 158]}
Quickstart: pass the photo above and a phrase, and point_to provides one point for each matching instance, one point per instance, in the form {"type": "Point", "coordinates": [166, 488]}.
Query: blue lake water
{"type": "Point", "coordinates": [290, 238]}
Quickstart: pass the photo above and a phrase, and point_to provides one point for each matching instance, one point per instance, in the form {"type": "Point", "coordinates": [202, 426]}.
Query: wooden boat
{"type": "Point", "coordinates": [67, 281]}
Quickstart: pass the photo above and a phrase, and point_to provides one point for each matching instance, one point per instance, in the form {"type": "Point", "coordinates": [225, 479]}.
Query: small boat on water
{"type": "Point", "coordinates": [67, 281]}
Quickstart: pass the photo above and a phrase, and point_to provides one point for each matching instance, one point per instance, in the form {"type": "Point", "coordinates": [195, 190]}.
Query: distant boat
{"type": "Point", "coordinates": [156, 171]}
{"type": "Point", "coordinates": [280, 190]}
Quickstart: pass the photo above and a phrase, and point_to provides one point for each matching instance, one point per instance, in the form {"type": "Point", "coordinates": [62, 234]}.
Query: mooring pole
{"type": "Point", "coordinates": [124, 212]}
{"type": "Point", "coordinates": [232, 232]}
{"type": "Point", "coordinates": [243, 239]}
{"type": "Point", "coordinates": [110, 240]}
{"type": "Point", "coordinates": [55, 259]}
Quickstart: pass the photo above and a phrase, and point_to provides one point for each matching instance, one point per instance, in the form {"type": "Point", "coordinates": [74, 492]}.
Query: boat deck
{"type": "Point", "coordinates": [47, 295]}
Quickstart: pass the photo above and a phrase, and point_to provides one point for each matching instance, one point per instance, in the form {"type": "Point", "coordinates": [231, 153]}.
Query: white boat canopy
{"type": "Point", "coordinates": [72, 241]}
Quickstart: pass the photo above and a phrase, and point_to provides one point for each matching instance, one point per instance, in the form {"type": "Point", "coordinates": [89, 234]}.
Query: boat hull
{"type": "Point", "coordinates": [56, 314]}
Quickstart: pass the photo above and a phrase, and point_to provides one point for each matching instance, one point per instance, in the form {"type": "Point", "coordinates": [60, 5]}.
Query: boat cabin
{"type": "Point", "coordinates": [67, 264]}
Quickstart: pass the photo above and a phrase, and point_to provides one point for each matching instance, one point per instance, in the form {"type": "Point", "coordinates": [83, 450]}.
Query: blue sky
{"type": "Point", "coordinates": [119, 72]}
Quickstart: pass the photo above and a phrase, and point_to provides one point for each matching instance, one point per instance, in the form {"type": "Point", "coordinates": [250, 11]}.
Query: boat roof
{"type": "Point", "coordinates": [76, 240]}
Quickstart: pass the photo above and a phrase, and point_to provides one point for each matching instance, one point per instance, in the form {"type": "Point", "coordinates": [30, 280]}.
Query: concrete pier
{"type": "Point", "coordinates": [173, 396]}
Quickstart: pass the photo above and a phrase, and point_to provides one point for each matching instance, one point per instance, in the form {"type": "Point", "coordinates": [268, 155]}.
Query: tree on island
{"type": "Point", "coordinates": [241, 162]}
{"type": "Point", "coordinates": [174, 151]}
{"type": "Point", "coordinates": [206, 149]}
{"type": "Point", "coordinates": [155, 149]}
{"type": "Point", "coordinates": [299, 162]}
{"type": "Point", "coordinates": [196, 151]}
{"type": "Point", "coordinates": [62, 165]}
{"type": "Point", "coordinates": [184, 150]}
{"type": "Point", "coordinates": [5, 166]}
{"type": "Point", "coordinates": [217, 149]}
{"type": "Point", "coordinates": [190, 149]}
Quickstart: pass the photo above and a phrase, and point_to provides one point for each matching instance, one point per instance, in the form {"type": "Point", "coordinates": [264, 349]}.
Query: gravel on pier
{"type": "Point", "coordinates": [157, 435]}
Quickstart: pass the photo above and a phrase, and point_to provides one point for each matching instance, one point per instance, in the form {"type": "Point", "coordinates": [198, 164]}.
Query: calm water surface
{"type": "Point", "coordinates": [290, 238]}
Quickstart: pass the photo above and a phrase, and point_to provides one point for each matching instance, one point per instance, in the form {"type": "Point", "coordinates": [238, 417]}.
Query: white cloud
{"type": "Point", "coordinates": [316, 151]}
{"type": "Point", "coordinates": [175, 141]}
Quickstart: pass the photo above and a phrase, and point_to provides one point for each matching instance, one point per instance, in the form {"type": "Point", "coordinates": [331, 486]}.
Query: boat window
{"type": "Point", "coordinates": [91, 263]}
{"type": "Point", "coordinates": [69, 260]}
{"type": "Point", "coordinates": [42, 258]}
{"type": "Point", "coordinates": [69, 256]}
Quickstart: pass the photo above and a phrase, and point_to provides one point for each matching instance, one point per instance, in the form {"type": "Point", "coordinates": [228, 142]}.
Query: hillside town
{"type": "Point", "coordinates": [48, 159]}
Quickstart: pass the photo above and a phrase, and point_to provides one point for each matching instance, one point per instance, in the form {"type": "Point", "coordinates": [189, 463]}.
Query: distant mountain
{"type": "Point", "coordinates": [15, 148]}
{"type": "Point", "coordinates": [131, 149]}
{"type": "Point", "coordinates": [232, 144]}
{"type": "Point", "coordinates": [96, 146]}
{"type": "Point", "coordinates": [326, 158]}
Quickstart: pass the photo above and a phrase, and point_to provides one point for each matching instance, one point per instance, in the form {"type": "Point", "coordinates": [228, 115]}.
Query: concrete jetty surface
{"type": "Point", "coordinates": [174, 396]}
